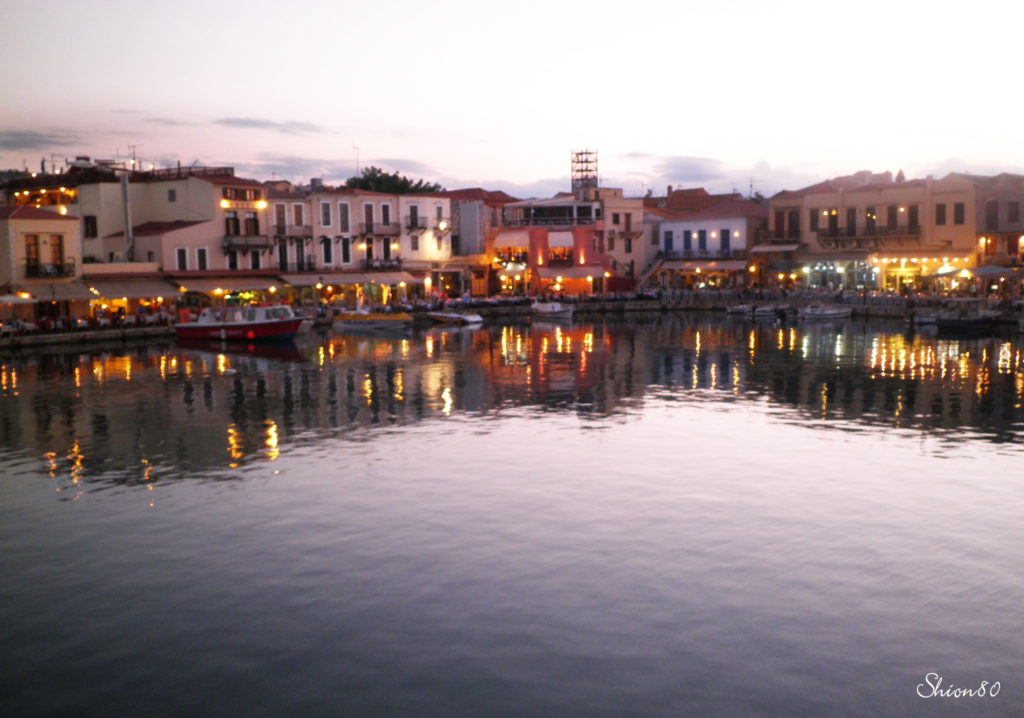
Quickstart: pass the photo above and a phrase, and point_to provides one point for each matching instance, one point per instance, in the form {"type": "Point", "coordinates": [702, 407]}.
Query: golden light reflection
{"type": "Point", "coordinates": [75, 456]}
{"type": "Point", "coordinates": [446, 397]}
{"type": "Point", "coordinates": [222, 363]}
{"type": "Point", "coordinates": [368, 389]}
{"type": "Point", "coordinates": [399, 385]}
{"type": "Point", "coordinates": [52, 458]}
{"type": "Point", "coordinates": [234, 446]}
{"type": "Point", "coordinates": [271, 441]}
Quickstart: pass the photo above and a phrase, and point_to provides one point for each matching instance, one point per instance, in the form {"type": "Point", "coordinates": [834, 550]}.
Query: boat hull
{"type": "Point", "coordinates": [271, 330]}
{"type": "Point", "coordinates": [552, 310]}
{"type": "Point", "coordinates": [372, 322]}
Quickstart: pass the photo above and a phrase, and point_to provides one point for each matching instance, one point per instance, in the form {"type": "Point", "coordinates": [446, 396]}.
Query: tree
{"type": "Point", "coordinates": [377, 180]}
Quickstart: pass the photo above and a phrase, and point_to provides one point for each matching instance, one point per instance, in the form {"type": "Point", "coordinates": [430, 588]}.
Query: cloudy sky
{"type": "Point", "coordinates": [724, 94]}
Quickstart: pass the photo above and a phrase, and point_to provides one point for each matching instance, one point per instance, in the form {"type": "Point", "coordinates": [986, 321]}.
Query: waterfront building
{"type": "Point", "coordinates": [40, 271]}
{"type": "Point", "coordinates": [708, 246]}
{"type": "Point", "coordinates": [868, 231]}
{"type": "Point", "coordinates": [426, 242]}
{"type": "Point", "coordinates": [476, 221]}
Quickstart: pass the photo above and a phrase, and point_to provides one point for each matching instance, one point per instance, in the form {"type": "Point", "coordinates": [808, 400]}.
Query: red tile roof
{"type": "Point", "coordinates": [23, 212]}
{"type": "Point", "coordinates": [485, 195]}
{"type": "Point", "coordinates": [150, 229]}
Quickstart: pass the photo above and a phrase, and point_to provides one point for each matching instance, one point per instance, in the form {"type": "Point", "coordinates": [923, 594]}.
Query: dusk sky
{"type": "Point", "coordinates": [719, 94]}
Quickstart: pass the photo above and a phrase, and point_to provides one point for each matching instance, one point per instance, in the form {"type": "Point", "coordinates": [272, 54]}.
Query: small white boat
{"type": "Point", "coordinates": [744, 309]}
{"type": "Point", "coordinates": [552, 310]}
{"type": "Point", "coordinates": [367, 321]}
{"type": "Point", "coordinates": [824, 312]}
{"type": "Point", "coordinates": [457, 318]}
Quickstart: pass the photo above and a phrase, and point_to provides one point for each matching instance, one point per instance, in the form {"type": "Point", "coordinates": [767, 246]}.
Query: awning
{"type": "Point", "coordinates": [229, 284]}
{"type": "Point", "coordinates": [389, 278]}
{"type": "Point", "coordinates": [134, 289]}
{"type": "Point", "coordinates": [15, 299]}
{"type": "Point", "coordinates": [709, 265]}
{"type": "Point", "coordinates": [310, 280]}
{"type": "Point", "coordinates": [766, 248]}
{"type": "Point", "coordinates": [507, 240]}
{"type": "Point", "coordinates": [992, 271]}
{"type": "Point", "coordinates": [579, 271]}
{"type": "Point", "coordinates": [560, 239]}
{"type": "Point", "coordinates": [59, 292]}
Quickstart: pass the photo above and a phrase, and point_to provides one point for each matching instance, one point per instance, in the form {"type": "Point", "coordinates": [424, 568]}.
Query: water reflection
{"type": "Point", "coordinates": [181, 409]}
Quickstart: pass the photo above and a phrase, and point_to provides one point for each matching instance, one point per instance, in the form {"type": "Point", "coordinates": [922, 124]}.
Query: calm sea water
{"type": "Point", "coordinates": [663, 516]}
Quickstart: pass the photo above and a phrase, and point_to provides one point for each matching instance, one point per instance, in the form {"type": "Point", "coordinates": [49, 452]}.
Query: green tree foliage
{"type": "Point", "coordinates": [377, 180]}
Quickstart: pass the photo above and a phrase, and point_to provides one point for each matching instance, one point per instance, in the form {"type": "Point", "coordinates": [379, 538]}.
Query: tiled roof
{"type": "Point", "coordinates": [150, 229]}
{"type": "Point", "coordinates": [11, 212]}
{"type": "Point", "coordinates": [729, 209]}
{"type": "Point", "coordinates": [229, 181]}
{"type": "Point", "coordinates": [485, 195]}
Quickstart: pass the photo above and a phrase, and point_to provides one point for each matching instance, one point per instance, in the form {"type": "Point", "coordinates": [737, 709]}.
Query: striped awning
{"type": "Point", "coordinates": [560, 239]}
{"type": "Point", "coordinates": [58, 292]}
{"type": "Point", "coordinates": [507, 240]}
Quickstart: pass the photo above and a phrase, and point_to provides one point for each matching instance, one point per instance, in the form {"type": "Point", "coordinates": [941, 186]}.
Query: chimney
{"type": "Point", "coordinates": [668, 191]}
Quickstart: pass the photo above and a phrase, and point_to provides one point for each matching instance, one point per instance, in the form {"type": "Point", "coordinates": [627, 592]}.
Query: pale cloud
{"type": "Point", "coordinates": [288, 128]}
{"type": "Point", "coordinates": [33, 140]}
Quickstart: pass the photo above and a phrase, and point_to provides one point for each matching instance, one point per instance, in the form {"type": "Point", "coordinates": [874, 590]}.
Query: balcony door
{"type": "Point", "coordinates": [368, 218]}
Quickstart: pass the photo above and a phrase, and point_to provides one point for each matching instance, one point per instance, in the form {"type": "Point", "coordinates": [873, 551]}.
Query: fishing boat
{"type": "Point", "coordinates": [366, 321]}
{"type": "Point", "coordinates": [966, 316]}
{"type": "Point", "coordinates": [254, 323]}
{"type": "Point", "coordinates": [552, 310]}
{"type": "Point", "coordinates": [456, 318]}
{"type": "Point", "coordinates": [824, 312]}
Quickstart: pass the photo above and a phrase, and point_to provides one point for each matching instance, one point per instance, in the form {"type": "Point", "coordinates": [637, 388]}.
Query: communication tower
{"type": "Point", "coordinates": [584, 170]}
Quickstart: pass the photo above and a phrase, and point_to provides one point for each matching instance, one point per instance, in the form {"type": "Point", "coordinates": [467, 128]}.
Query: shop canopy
{"type": "Point", "coordinates": [229, 284]}
{"type": "Point", "coordinates": [766, 248]}
{"type": "Point", "coordinates": [725, 265]}
{"type": "Point", "coordinates": [59, 292]}
{"type": "Point", "coordinates": [329, 278]}
{"type": "Point", "coordinates": [580, 271]}
{"type": "Point", "coordinates": [389, 278]}
{"type": "Point", "coordinates": [133, 289]}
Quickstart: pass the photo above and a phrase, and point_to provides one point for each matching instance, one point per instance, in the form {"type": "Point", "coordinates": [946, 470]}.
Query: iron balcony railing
{"type": "Point", "coordinates": [706, 254]}
{"type": "Point", "coordinates": [382, 265]}
{"type": "Point", "coordinates": [244, 241]}
{"type": "Point", "coordinates": [549, 221]}
{"type": "Point", "coordinates": [414, 224]}
{"type": "Point", "coordinates": [35, 270]}
{"type": "Point", "coordinates": [379, 229]}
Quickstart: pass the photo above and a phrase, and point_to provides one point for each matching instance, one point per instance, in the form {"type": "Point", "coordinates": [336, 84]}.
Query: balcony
{"type": "Point", "coordinates": [379, 229]}
{"type": "Point", "coordinates": [293, 230]}
{"type": "Point", "coordinates": [300, 265]}
{"type": "Point", "coordinates": [866, 237]}
{"type": "Point", "coordinates": [561, 260]}
{"type": "Point", "coordinates": [415, 224]}
{"type": "Point", "coordinates": [38, 270]}
{"type": "Point", "coordinates": [246, 242]}
{"type": "Point", "coordinates": [382, 265]}
{"type": "Point", "coordinates": [706, 254]}
{"type": "Point", "coordinates": [550, 221]}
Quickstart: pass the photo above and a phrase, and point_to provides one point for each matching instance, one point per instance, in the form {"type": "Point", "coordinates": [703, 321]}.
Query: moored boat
{"type": "Point", "coordinates": [745, 309]}
{"type": "Point", "coordinates": [366, 321]}
{"type": "Point", "coordinates": [966, 316]}
{"type": "Point", "coordinates": [457, 318]}
{"type": "Point", "coordinates": [552, 310]}
{"type": "Point", "coordinates": [825, 312]}
{"type": "Point", "coordinates": [254, 323]}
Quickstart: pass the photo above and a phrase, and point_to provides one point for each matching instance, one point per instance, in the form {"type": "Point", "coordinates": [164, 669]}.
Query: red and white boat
{"type": "Point", "coordinates": [255, 323]}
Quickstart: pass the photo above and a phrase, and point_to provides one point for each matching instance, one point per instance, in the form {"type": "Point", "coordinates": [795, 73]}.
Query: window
{"type": "Point", "coordinates": [870, 216]}
{"type": "Point", "coordinates": [724, 236]}
{"type": "Point", "coordinates": [615, 217]}
{"type": "Point", "coordinates": [958, 213]}
{"type": "Point", "coordinates": [668, 239]}
{"type": "Point", "coordinates": [32, 249]}
{"type": "Point", "coordinates": [385, 215]}
{"type": "Point", "coordinates": [56, 249]}
{"type": "Point", "coordinates": [280, 217]}
{"type": "Point", "coordinates": [629, 245]}
{"type": "Point", "coordinates": [325, 214]}
{"type": "Point", "coordinates": [252, 224]}
{"type": "Point", "coordinates": [414, 242]}
{"type": "Point", "coordinates": [231, 223]}
{"type": "Point", "coordinates": [456, 246]}
{"type": "Point", "coordinates": [90, 227]}
{"type": "Point", "coordinates": [414, 217]}
{"type": "Point", "coordinates": [149, 256]}
{"type": "Point", "coordinates": [343, 217]}
{"type": "Point", "coordinates": [201, 258]}
{"type": "Point", "coordinates": [328, 253]}
{"type": "Point", "coordinates": [182, 258]}
{"type": "Point", "coordinates": [440, 241]}
{"type": "Point", "coordinates": [232, 259]}
{"type": "Point", "coordinates": [991, 215]}
{"type": "Point", "coordinates": [913, 219]}
{"type": "Point", "coordinates": [940, 215]}
{"type": "Point", "coordinates": [687, 240]}
{"type": "Point", "coordinates": [814, 220]}
{"type": "Point", "coordinates": [172, 195]}
{"type": "Point", "coordinates": [892, 216]}
{"type": "Point", "coordinates": [851, 222]}
{"type": "Point", "coordinates": [702, 239]}
{"type": "Point", "coordinates": [440, 212]}
{"type": "Point", "coordinates": [367, 218]}
{"type": "Point", "coordinates": [1013, 211]}
{"type": "Point", "coordinates": [611, 242]}
{"type": "Point", "coordinates": [254, 260]}
{"type": "Point", "coordinates": [298, 219]}
{"type": "Point", "coordinates": [346, 250]}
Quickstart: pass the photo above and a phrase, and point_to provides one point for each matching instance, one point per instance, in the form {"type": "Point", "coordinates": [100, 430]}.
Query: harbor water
{"type": "Point", "coordinates": [666, 515]}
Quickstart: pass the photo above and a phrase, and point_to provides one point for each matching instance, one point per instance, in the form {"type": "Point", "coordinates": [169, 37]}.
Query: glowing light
{"type": "Point", "coordinates": [443, 225]}
{"type": "Point", "coordinates": [607, 274]}
{"type": "Point", "coordinates": [224, 204]}
{"type": "Point", "coordinates": [262, 204]}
